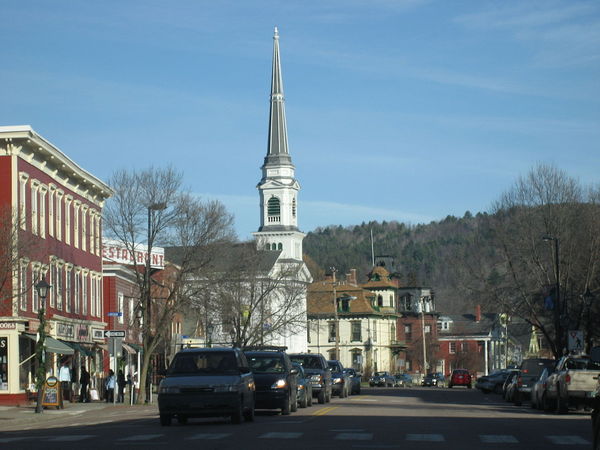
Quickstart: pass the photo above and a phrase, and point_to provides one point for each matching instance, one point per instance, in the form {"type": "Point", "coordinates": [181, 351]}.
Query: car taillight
{"type": "Point", "coordinates": [568, 378]}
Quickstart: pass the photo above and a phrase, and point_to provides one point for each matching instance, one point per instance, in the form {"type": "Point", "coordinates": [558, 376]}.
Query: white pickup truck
{"type": "Point", "coordinates": [572, 384]}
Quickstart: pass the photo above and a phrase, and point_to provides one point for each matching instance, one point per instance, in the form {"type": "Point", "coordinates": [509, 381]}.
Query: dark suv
{"type": "Point", "coordinates": [275, 378]}
{"type": "Point", "coordinates": [315, 365]}
{"type": "Point", "coordinates": [531, 369]}
{"type": "Point", "coordinates": [207, 382]}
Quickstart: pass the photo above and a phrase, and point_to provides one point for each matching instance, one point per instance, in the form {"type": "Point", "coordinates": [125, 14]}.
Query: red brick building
{"type": "Point", "coordinates": [57, 209]}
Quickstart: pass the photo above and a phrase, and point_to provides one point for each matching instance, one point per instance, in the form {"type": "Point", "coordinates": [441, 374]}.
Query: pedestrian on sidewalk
{"type": "Point", "coordinates": [121, 382]}
{"type": "Point", "coordinates": [84, 380]}
{"type": "Point", "coordinates": [64, 376]}
{"type": "Point", "coordinates": [110, 387]}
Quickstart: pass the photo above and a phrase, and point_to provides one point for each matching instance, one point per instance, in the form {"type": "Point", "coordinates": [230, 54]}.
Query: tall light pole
{"type": "Point", "coordinates": [557, 304]}
{"type": "Point", "coordinates": [336, 317]}
{"type": "Point", "coordinates": [423, 334]}
{"type": "Point", "coordinates": [151, 207]}
{"type": "Point", "coordinates": [147, 280]}
{"type": "Point", "coordinates": [42, 288]}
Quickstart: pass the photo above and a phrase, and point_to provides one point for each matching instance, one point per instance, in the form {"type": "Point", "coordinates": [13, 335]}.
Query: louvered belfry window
{"type": "Point", "coordinates": [274, 209]}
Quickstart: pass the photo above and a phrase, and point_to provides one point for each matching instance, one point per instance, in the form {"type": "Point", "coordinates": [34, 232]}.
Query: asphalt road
{"type": "Point", "coordinates": [379, 418]}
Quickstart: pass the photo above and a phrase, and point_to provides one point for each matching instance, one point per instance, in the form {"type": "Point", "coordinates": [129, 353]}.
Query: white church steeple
{"type": "Point", "coordinates": [278, 188]}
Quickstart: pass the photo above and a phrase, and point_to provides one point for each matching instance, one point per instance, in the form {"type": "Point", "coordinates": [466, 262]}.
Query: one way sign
{"type": "Point", "coordinates": [114, 333]}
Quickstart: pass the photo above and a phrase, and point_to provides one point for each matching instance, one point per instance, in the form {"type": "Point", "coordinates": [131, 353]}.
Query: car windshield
{"type": "Point", "coordinates": [308, 362]}
{"type": "Point", "coordinates": [380, 374]}
{"type": "Point", "coordinates": [334, 366]}
{"type": "Point", "coordinates": [198, 363]}
{"type": "Point", "coordinates": [535, 367]}
{"type": "Point", "coordinates": [265, 363]}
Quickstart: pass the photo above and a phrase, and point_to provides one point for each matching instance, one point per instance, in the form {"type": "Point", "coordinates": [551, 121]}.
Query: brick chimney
{"type": "Point", "coordinates": [352, 277]}
{"type": "Point", "coordinates": [478, 313]}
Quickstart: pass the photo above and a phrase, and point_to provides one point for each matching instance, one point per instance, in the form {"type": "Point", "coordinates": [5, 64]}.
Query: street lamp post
{"type": "Point", "coordinates": [561, 340]}
{"type": "Point", "coordinates": [588, 298]}
{"type": "Point", "coordinates": [42, 288]}
{"type": "Point", "coordinates": [423, 334]}
{"type": "Point", "coordinates": [336, 317]}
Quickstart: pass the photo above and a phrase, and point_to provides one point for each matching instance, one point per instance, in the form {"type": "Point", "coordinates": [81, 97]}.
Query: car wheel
{"type": "Point", "coordinates": [238, 414]}
{"type": "Point", "coordinates": [517, 400]}
{"type": "Point", "coordinates": [498, 389]}
{"type": "Point", "coordinates": [328, 397]}
{"type": "Point", "coordinates": [304, 401]}
{"type": "Point", "coordinates": [469, 386]}
{"type": "Point", "coordinates": [285, 409]}
{"type": "Point", "coordinates": [249, 414]}
{"type": "Point", "coordinates": [182, 420]}
{"type": "Point", "coordinates": [294, 405]}
{"type": "Point", "coordinates": [547, 404]}
{"type": "Point", "coordinates": [358, 390]}
{"type": "Point", "coordinates": [309, 398]}
{"type": "Point", "coordinates": [322, 398]}
{"type": "Point", "coordinates": [449, 386]}
{"type": "Point", "coordinates": [561, 404]}
{"type": "Point", "coordinates": [165, 420]}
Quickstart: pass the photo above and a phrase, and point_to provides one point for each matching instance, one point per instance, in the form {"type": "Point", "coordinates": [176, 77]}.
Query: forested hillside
{"type": "Point", "coordinates": [423, 254]}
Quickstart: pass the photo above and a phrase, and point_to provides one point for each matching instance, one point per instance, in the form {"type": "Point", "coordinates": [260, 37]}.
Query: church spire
{"type": "Point", "coordinates": [277, 152]}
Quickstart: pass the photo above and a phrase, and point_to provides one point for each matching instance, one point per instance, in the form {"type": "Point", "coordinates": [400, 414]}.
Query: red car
{"type": "Point", "coordinates": [460, 377]}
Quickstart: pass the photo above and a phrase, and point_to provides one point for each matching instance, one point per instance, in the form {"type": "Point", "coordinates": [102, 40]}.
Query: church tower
{"type": "Point", "coordinates": [278, 188]}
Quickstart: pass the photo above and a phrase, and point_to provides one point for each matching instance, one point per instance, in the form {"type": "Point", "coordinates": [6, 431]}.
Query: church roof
{"type": "Point", "coordinates": [277, 152]}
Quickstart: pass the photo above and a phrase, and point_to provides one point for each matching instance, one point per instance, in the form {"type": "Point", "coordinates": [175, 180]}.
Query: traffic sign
{"type": "Point", "coordinates": [114, 314]}
{"type": "Point", "coordinates": [114, 333]}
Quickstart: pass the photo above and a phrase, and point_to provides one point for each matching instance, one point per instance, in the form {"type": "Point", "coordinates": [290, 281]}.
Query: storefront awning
{"type": "Point", "coordinates": [53, 345]}
{"type": "Point", "coordinates": [128, 349]}
{"type": "Point", "coordinates": [79, 348]}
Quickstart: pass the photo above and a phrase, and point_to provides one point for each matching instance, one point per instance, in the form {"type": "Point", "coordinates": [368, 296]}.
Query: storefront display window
{"type": "Point", "coordinates": [3, 363]}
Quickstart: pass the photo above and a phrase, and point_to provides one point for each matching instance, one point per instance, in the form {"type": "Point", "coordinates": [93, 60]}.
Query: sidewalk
{"type": "Point", "coordinates": [18, 417]}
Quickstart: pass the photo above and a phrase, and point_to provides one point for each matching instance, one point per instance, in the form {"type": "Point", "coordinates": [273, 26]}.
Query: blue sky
{"type": "Point", "coordinates": [406, 110]}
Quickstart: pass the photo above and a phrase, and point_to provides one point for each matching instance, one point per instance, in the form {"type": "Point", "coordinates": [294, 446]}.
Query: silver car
{"type": "Point", "coordinates": [207, 382]}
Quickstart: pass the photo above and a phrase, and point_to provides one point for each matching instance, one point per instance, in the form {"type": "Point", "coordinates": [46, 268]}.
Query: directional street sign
{"type": "Point", "coordinates": [114, 314]}
{"type": "Point", "coordinates": [114, 333]}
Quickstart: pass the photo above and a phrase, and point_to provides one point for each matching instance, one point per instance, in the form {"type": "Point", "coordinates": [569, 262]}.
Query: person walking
{"type": "Point", "coordinates": [84, 380]}
{"type": "Point", "coordinates": [121, 386]}
{"type": "Point", "coordinates": [110, 387]}
{"type": "Point", "coordinates": [64, 376]}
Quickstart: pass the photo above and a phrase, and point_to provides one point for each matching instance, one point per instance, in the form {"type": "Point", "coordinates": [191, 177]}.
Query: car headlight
{"type": "Point", "coordinates": [301, 387]}
{"type": "Point", "coordinates": [338, 380]}
{"type": "Point", "coordinates": [169, 390]}
{"type": "Point", "coordinates": [316, 378]}
{"type": "Point", "coordinates": [279, 384]}
{"type": "Point", "coordinates": [226, 388]}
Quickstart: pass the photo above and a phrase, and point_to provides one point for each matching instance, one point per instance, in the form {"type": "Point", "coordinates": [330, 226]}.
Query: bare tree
{"type": "Point", "coordinates": [254, 299]}
{"type": "Point", "coordinates": [14, 245]}
{"type": "Point", "coordinates": [150, 206]}
{"type": "Point", "coordinates": [526, 264]}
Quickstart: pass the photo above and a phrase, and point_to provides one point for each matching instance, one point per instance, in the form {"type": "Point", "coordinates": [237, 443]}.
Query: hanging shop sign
{"type": "Point", "coordinates": [65, 330]}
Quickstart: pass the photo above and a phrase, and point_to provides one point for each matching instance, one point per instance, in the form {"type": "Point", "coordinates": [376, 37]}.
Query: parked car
{"type": "Point", "coordinates": [510, 386]}
{"type": "Point", "coordinates": [539, 389]}
{"type": "Point", "coordinates": [382, 379]}
{"type": "Point", "coordinates": [315, 365]}
{"type": "Point", "coordinates": [340, 380]}
{"type": "Point", "coordinates": [494, 381]}
{"type": "Point", "coordinates": [595, 358]}
{"type": "Point", "coordinates": [304, 387]}
{"type": "Point", "coordinates": [529, 372]}
{"type": "Point", "coordinates": [207, 382]}
{"type": "Point", "coordinates": [572, 383]}
{"type": "Point", "coordinates": [460, 377]}
{"type": "Point", "coordinates": [275, 378]}
{"type": "Point", "coordinates": [433, 379]}
{"type": "Point", "coordinates": [402, 380]}
{"type": "Point", "coordinates": [355, 378]}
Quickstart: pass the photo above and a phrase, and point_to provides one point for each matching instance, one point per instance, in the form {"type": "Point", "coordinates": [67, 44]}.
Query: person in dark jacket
{"type": "Point", "coordinates": [121, 382]}
{"type": "Point", "coordinates": [84, 380]}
